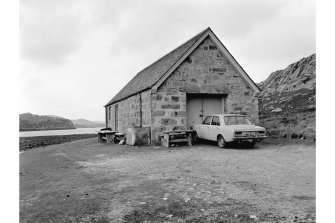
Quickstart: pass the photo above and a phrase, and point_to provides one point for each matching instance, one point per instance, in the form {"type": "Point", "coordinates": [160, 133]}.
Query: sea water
{"type": "Point", "coordinates": [60, 132]}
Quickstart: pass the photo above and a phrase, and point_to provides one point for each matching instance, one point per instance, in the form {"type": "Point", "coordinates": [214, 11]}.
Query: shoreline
{"type": "Point", "coordinates": [33, 130]}
{"type": "Point", "coordinates": [32, 142]}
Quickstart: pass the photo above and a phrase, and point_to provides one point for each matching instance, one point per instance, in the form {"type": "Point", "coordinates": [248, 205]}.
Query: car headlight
{"type": "Point", "coordinates": [238, 133]}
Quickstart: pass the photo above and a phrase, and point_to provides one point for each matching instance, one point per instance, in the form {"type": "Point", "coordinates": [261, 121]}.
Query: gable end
{"type": "Point", "coordinates": [222, 48]}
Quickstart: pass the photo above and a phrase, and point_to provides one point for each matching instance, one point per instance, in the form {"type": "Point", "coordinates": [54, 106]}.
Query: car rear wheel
{"type": "Point", "coordinates": [195, 138]}
{"type": "Point", "coordinates": [221, 141]}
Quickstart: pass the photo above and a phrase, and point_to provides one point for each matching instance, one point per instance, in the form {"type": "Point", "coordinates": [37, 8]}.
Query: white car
{"type": "Point", "coordinates": [226, 128]}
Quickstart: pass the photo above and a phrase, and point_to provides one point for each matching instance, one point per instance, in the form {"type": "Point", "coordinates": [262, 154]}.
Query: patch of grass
{"type": "Point", "coordinates": [290, 102]}
{"type": "Point", "coordinates": [287, 141]}
{"type": "Point", "coordinates": [293, 125]}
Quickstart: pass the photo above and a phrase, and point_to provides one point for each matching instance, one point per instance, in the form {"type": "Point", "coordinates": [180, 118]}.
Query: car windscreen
{"type": "Point", "coordinates": [237, 120]}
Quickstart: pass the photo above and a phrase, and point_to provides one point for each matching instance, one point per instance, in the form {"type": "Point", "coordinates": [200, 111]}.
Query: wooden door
{"type": "Point", "coordinates": [212, 105]}
{"type": "Point", "coordinates": [194, 111]}
{"type": "Point", "coordinates": [116, 117]}
{"type": "Point", "coordinates": [200, 105]}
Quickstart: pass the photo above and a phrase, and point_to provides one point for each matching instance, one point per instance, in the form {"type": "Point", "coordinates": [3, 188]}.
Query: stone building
{"type": "Point", "coordinates": [199, 77]}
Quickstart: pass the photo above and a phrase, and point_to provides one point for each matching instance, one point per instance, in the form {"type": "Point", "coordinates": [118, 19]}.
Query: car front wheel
{"type": "Point", "coordinates": [221, 141]}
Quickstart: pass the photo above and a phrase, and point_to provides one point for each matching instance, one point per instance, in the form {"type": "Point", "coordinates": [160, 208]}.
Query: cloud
{"type": "Point", "coordinates": [166, 24]}
{"type": "Point", "coordinates": [50, 32]}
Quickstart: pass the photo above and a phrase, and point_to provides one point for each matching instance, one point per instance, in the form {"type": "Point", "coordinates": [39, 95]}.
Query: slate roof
{"type": "Point", "coordinates": [146, 78]}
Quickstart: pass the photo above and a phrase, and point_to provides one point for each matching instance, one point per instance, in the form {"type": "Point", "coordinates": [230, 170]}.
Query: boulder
{"type": "Point", "coordinates": [138, 136]}
{"type": "Point", "coordinates": [277, 110]}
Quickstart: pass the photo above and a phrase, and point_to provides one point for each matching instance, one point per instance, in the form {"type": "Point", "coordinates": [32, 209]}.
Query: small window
{"type": "Point", "coordinates": [207, 120]}
{"type": "Point", "coordinates": [216, 120]}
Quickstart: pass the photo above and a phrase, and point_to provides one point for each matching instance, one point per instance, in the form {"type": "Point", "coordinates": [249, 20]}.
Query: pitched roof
{"type": "Point", "coordinates": [146, 78]}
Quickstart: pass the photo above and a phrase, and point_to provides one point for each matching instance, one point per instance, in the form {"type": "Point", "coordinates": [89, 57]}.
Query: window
{"type": "Point", "coordinates": [207, 120]}
{"type": "Point", "coordinates": [216, 120]}
{"type": "Point", "coordinates": [237, 120]}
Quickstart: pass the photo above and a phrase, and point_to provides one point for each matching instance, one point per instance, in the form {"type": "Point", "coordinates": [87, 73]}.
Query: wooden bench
{"type": "Point", "coordinates": [106, 136]}
{"type": "Point", "coordinates": [177, 137]}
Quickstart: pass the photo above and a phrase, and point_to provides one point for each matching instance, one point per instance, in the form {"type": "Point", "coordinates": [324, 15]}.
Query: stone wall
{"type": "Point", "coordinates": [129, 113]}
{"type": "Point", "coordinates": [168, 112]}
{"type": "Point", "coordinates": [208, 71]}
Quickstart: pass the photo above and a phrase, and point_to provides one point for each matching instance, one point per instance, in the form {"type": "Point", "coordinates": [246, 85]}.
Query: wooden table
{"type": "Point", "coordinates": [176, 137]}
{"type": "Point", "coordinates": [106, 136]}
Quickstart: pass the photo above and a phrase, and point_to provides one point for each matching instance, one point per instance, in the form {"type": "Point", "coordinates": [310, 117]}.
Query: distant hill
{"type": "Point", "coordinates": [31, 122]}
{"type": "Point", "coordinates": [287, 102]}
{"type": "Point", "coordinates": [83, 123]}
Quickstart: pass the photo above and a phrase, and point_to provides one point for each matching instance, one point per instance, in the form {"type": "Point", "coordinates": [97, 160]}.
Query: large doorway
{"type": "Point", "coordinates": [198, 105]}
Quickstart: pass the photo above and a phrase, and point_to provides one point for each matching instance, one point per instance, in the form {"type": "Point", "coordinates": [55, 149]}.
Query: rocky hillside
{"type": "Point", "coordinates": [287, 103]}
{"type": "Point", "coordinates": [83, 123]}
{"type": "Point", "coordinates": [299, 75]}
{"type": "Point", "coordinates": [31, 122]}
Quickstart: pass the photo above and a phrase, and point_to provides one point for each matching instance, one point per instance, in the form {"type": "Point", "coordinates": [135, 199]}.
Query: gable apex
{"type": "Point", "coordinates": [222, 48]}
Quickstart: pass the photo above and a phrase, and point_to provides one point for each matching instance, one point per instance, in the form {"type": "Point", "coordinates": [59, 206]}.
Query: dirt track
{"type": "Point", "coordinates": [84, 181]}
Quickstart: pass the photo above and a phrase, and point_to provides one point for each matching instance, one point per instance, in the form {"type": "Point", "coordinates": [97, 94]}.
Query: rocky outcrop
{"type": "Point", "coordinates": [31, 122]}
{"type": "Point", "coordinates": [299, 75]}
{"type": "Point", "coordinates": [291, 89]}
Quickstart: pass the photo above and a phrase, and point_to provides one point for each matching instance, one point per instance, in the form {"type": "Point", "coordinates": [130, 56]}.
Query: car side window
{"type": "Point", "coordinates": [216, 120]}
{"type": "Point", "coordinates": [207, 120]}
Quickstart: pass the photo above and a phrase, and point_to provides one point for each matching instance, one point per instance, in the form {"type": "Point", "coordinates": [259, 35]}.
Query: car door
{"type": "Point", "coordinates": [204, 127]}
{"type": "Point", "coordinates": [214, 128]}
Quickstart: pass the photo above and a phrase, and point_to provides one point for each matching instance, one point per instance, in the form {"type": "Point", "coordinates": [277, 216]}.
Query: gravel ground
{"type": "Point", "coordinates": [83, 181]}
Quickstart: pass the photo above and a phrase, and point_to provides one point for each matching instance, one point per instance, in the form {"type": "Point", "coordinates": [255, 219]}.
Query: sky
{"type": "Point", "coordinates": [76, 55]}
